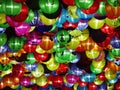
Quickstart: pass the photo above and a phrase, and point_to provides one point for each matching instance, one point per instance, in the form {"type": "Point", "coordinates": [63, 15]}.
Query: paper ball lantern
{"type": "Point", "coordinates": [115, 42]}
{"type": "Point", "coordinates": [57, 81]}
{"type": "Point", "coordinates": [72, 11]}
{"type": "Point", "coordinates": [25, 81]}
{"type": "Point", "coordinates": [2, 30]}
{"type": "Point", "coordinates": [82, 25]}
{"type": "Point", "coordinates": [3, 18]}
{"type": "Point", "coordinates": [69, 25]}
{"type": "Point", "coordinates": [49, 7]}
{"type": "Point", "coordinates": [84, 5]}
{"type": "Point", "coordinates": [113, 3]}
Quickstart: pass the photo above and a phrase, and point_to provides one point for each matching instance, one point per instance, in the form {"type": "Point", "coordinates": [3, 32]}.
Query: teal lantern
{"type": "Point", "coordinates": [84, 4]}
{"type": "Point", "coordinates": [15, 43]}
{"type": "Point", "coordinates": [49, 6]}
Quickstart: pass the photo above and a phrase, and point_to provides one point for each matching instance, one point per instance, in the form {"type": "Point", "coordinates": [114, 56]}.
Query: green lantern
{"type": "Point", "coordinates": [84, 4]}
{"type": "Point", "coordinates": [63, 37]}
{"type": "Point", "coordinates": [15, 43]}
{"type": "Point", "coordinates": [116, 51]}
{"type": "Point", "coordinates": [102, 9]}
{"type": "Point", "coordinates": [11, 8]}
{"type": "Point", "coordinates": [4, 25]}
{"type": "Point", "coordinates": [49, 6]}
{"type": "Point", "coordinates": [30, 58]}
{"type": "Point", "coordinates": [30, 16]}
{"type": "Point", "coordinates": [95, 70]}
{"type": "Point", "coordinates": [113, 2]}
{"type": "Point", "coordinates": [3, 39]}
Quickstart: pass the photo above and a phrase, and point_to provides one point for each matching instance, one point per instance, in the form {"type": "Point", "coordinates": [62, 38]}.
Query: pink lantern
{"type": "Point", "coordinates": [22, 29]}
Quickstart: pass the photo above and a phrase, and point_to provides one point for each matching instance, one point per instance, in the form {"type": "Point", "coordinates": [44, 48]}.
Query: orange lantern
{"type": "Point", "coordinates": [4, 59]}
{"type": "Point", "coordinates": [2, 85]}
{"type": "Point", "coordinates": [88, 44]}
{"type": "Point", "coordinates": [46, 43]}
{"type": "Point", "coordinates": [112, 12]}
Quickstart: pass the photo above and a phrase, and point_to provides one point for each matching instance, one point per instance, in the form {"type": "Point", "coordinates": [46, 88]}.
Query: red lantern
{"type": "Point", "coordinates": [80, 48]}
{"type": "Point", "coordinates": [68, 25]}
{"type": "Point", "coordinates": [19, 1]}
{"type": "Point", "coordinates": [112, 12]}
{"type": "Point", "coordinates": [29, 48]}
{"type": "Point", "coordinates": [69, 2]}
{"type": "Point", "coordinates": [46, 43]}
{"type": "Point", "coordinates": [22, 15]}
{"type": "Point", "coordinates": [92, 86]}
{"type": "Point", "coordinates": [107, 29]}
{"type": "Point", "coordinates": [117, 86]}
{"type": "Point", "coordinates": [57, 81]}
{"type": "Point", "coordinates": [101, 76]}
{"type": "Point", "coordinates": [66, 88]}
{"type": "Point", "coordinates": [62, 69]}
{"type": "Point", "coordinates": [82, 84]}
{"type": "Point", "coordinates": [92, 9]}
{"type": "Point", "coordinates": [18, 70]}
{"type": "Point", "coordinates": [41, 57]}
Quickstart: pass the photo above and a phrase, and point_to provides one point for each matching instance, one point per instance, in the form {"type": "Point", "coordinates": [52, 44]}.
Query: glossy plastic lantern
{"type": "Point", "coordinates": [47, 21]}
{"type": "Point", "coordinates": [3, 19]}
{"type": "Point", "coordinates": [82, 25]}
{"type": "Point", "coordinates": [84, 35]}
{"type": "Point", "coordinates": [73, 43]}
{"type": "Point", "coordinates": [15, 43]}
{"type": "Point", "coordinates": [83, 16]}
{"type": "Point", "coordinates": [112, 12]}
{"type": "Point", "coordinates": [12, 23]}
{"type": "Point", "coordinates": [19, 1]}
{"type": "Point", "coordinates": [46, 43]}
{"type": "Point", "coordinates": [67, 2]}
{"type": "Point", "coordinates": [2, 30]}
{"type": "Point", "coordinates": [11, 8]}
{"type": "Point", "coordinates": [72, 11]}
{"type": "Point", "coordinates": [101, 10]}
{"type": "Point", "coordinates": [115, 42]}
{"type": "Point", "coordinates": [25, 81]}
{"type": "Point", "coordinates": [95, 23]}
{"type": "Point", "coordinates": [23, 29]}
{"type": "Point", "coordinates": [63, 37]}
{"type": "Point", "coordinates": [110, 74]}
{"type": "Point", "coordinates": [92, 9]}
{"type": "Point", "coordinates": [38, 71]}
{"type": "Point", "coordinates": [112, 22]}
{"type": "Point", "coordinates": [107, 29]}
{"type": "Point", "coordinates": [30, 17]}
{"type": "Point", "coordinates": [49, 7]}
{"type": "Point", "coordinates": [41, 81]}
{"type": "Point", "coordinates": [34, 38]}
{"type": "Point", "coordinates": [84, 5]}
{"type": "Point", "coordinates": [22, 15]}
{"type": "Point", "coordinates": [92, 86]}
{"type": "Point", "coordinates": [92, 54]}
{"type": "Point", "coordinates": [3, 49]}
{"type": "Point", "coordinates": [18, 70]}
{"type": "Point", "coordinates": [3, 39]}
{"type": "Point", "coordinates": [4, 59]}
